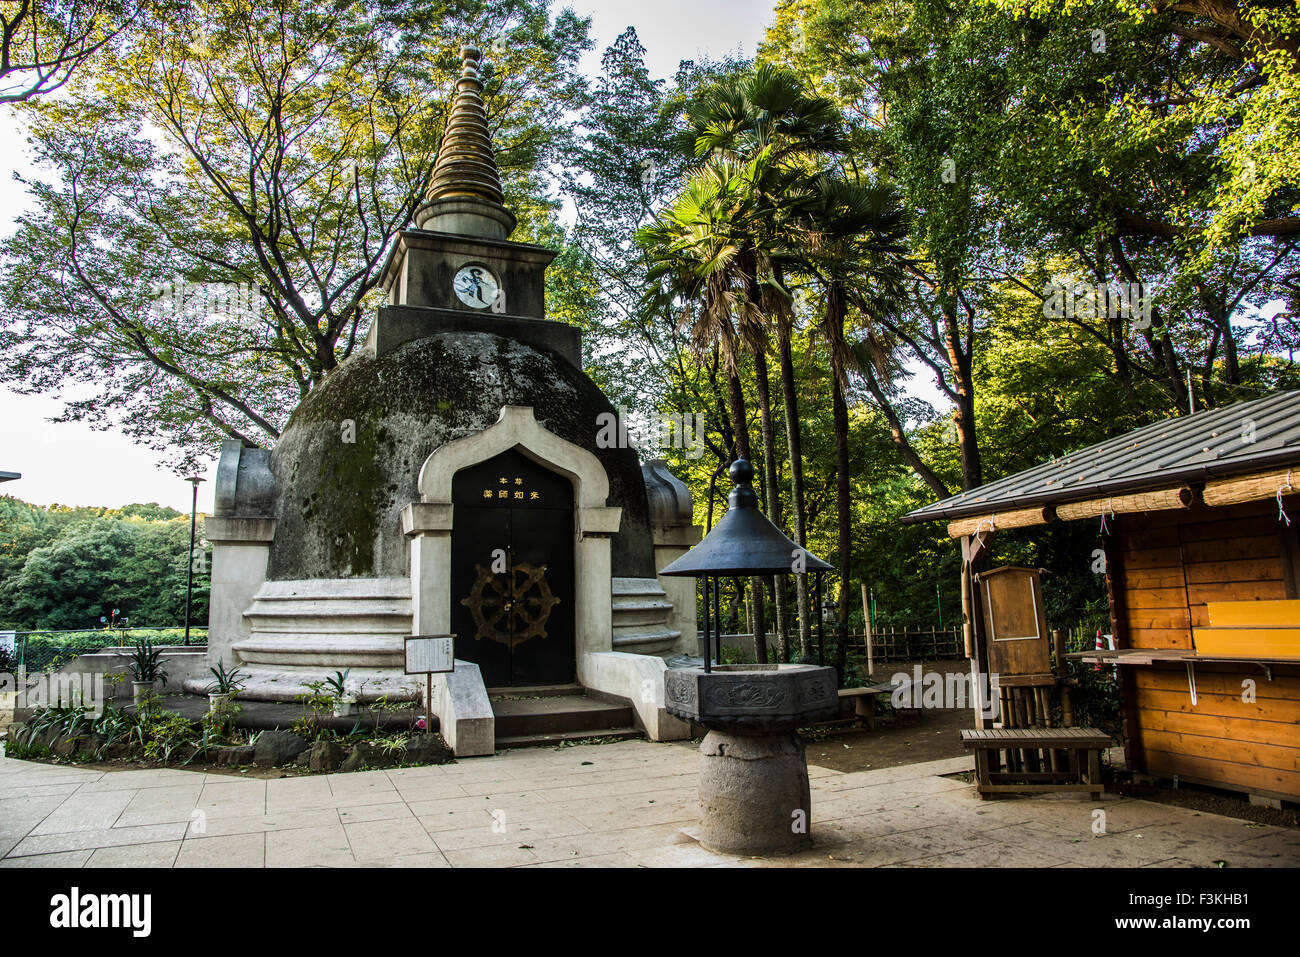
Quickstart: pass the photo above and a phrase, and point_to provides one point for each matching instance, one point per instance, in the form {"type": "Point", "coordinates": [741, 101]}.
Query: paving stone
{"type": "Point", "coordinates": [235, 850]}
{"type": "Point", "coordinates": [53, 843]}
{"type": "Point", "coordinates": [308, 847]}
{"type": "Point", "coordinates": [380, 840]}
{"type": "Point", "coordinates": [62, 859]}
{"type": "Point", "coordinates": [627, 804]}
{"type": "Point", "coordinates": [162, 854]}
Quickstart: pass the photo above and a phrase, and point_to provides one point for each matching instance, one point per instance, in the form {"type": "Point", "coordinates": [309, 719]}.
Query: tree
{"type": "Point", "coordinates": [265, 154]}
{"type": "Point", "coordinates": [765, 116]}
{"type": "Point", "coordinates": [94, 565]}
{"type": "Point", "coordinates": [857, 235]}
{"type": "Point", "coordinates": [43, 41]}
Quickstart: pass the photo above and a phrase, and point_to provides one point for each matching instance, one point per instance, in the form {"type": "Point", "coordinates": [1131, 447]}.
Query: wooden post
{"type": "Point", "coordinates": [866, 618]}
{"type": "Point", "coordinates": [967, 624]}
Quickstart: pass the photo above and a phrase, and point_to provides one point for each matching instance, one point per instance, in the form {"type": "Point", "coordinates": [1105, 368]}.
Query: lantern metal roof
{"type": "Point", "coordinates": [744, 542]}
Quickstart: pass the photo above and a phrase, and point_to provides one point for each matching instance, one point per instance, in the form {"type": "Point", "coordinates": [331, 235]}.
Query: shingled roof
{"type": "Point", "coordinates": [1216, 443]}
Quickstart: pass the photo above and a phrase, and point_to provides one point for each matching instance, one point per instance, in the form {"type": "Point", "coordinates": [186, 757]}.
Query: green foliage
{"type": "Point", "coordinates": [265, 154]}
{"type": "Point", "coordinates": [338, 683]}
{"type": "Point", "coordinates": [316, 704]}
{"type": "Point", "coordinates": [218, 722]}
{"type": "Point", "coordinates": [64, 568]}
{"type": "Point", "coordinates": [163, 732]}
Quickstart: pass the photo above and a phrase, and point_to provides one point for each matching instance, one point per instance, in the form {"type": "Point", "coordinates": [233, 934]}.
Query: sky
{"type": "Point", "coordinates": [72, 464]}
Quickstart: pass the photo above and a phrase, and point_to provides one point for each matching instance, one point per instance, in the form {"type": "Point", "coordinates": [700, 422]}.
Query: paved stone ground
{"type": "Point", "coordinates": [621, 804]}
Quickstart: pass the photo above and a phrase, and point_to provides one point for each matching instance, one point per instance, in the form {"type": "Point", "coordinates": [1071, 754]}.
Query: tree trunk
{"type": "Point", "coordinates": [794, 442]}
{"type": "Point", "coordinates": [835, 305]}
{"type": "Point", "coordinates": [772, 494]}
{"type": "Point", "coordinates": [740, 426]}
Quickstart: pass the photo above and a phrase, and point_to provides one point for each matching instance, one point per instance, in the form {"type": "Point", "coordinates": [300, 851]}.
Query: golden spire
{"type": "Point", "coordinates": [466, 166]}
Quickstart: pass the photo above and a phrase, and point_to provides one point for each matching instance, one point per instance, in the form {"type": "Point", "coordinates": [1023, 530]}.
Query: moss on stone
{"type": "Point", "coordinates": [338, 503]}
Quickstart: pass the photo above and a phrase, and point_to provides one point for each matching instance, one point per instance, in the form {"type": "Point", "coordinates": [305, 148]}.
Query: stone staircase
{"type": "Point", "coordinates": [304, 631]}
{"type": "Point", "coordinates": [641, 609]}
{"type": "Point", "coordinates": [552, 714]}
{"type": "Point", "coordinates": [328, 623]}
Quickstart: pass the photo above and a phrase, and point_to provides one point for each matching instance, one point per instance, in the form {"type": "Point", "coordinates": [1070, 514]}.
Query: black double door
{"type": "Point", "coordinates": [512, 574]}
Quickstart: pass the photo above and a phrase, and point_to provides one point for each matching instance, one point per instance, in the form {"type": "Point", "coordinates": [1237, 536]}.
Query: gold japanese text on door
{"type": "Point", "coordinates": [511, 491]}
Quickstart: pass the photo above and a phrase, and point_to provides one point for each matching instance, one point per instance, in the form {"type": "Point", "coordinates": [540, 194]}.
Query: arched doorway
{"type": "Point", "coordinates": [512, 571]}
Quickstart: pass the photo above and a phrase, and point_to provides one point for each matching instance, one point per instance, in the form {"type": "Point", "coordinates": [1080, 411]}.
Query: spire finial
{"type": "Point", "coordinates": [466, 169]}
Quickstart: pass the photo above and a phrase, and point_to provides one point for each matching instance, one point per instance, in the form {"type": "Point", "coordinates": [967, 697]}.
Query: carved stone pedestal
{"type": "Point", "coordinates": [754, 796]}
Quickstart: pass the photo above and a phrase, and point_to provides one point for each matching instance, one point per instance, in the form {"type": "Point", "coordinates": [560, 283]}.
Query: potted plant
{"type": "Point", "coordinates": [145, 664]}
{"type": "Point", "coordinates": [228, 683]}
{"type": "Point", "coordinates": [345, 700]}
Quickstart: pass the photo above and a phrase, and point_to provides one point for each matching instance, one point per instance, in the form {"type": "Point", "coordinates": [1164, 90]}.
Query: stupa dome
{"type": "Point", "coordinates": [338, 502]}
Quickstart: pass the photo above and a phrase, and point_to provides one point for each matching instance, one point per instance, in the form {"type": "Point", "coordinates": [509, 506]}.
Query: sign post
{"type": "Point", "coordinates": [429, 655]}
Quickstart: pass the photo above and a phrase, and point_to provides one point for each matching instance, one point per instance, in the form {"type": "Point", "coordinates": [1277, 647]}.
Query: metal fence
{"type": "Point", "coordinates": [44, 651]}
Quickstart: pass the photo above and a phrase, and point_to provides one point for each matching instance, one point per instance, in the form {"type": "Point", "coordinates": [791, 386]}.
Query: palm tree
{"type": "Point", "coordinates": [766, 117]}
{"type": "Point", "coordinates": [856, 249]}
{"type": "Point", "coordinates": [697, 248]}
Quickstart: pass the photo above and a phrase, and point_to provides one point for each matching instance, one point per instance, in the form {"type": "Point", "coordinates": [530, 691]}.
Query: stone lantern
{"type": "Point", "coordinates": [754, 794]}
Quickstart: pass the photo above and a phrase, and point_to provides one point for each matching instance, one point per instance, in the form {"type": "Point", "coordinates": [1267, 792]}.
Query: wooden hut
{"type": "Point", "coordinates": [1199, 526]}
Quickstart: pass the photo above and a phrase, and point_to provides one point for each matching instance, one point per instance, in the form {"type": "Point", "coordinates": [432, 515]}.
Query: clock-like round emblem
{"type": "Point", "coordinates": [476, 286]}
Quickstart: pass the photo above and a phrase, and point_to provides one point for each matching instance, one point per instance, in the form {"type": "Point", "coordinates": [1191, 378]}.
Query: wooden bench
{"type": "Point", "coordinates": [1070, 759]}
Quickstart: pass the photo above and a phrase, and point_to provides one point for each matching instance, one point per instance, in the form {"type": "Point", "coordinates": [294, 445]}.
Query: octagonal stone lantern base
{"type": "Point", "coordinates": [754, 796]}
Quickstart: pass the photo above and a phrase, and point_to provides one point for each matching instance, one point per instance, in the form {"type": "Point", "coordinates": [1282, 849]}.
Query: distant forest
{"type": "Point", "coordinates": [63, 567]}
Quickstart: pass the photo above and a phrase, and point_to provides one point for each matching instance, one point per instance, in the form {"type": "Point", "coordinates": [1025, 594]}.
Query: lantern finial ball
{"type": "Point", "coordinates": [742, 473]}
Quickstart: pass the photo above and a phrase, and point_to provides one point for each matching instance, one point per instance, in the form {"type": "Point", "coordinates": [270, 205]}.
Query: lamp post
{"type": "Point", "coordinates": [189, 585]}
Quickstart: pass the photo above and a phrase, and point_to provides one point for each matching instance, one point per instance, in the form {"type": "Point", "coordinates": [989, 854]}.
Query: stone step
{"type": "Point", "coordinates": [324, 589]}
{"type": "Point", "coordinates": [536, 691]}
{"type": "Point", "coordinates": [544, 740]}
{"type": "Point", "coordinates": [285, 685]}
{"type": "Point", "coordinates": [641, 613]}
{"type": "Point", "coordinates": [636, 586]}
{"type": "Point", "coordinates": [317, 650]}
{"type": "Point", "coordinates": [556, 714]}
{"type": "Point", "coordinates": [644, 640]}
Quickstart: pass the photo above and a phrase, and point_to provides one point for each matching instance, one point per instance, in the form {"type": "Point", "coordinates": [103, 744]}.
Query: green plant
{"type": "Point", "coordinates": [145, 662]}
{"type": "Point", "coordinates": [116, 725]}
{"type": "Point", "coordinates": [392, 744]}
{"type": "Point", "coordinates": [228, 682]}
{"type": "Point", "coordinates": [113, 679]}
{"type": "Point", "coordinates": [338, 683]}
{"type": "Point", "coordinates": [316, 704]}
{"type": "Point", "coordinates": [219, 722]}
{"type": "Point", "coordinates": [68, 722]}
{"type": "Point", "coordinates": [149, 701]}
{"type": "Point", "coordinates": [384, 705]}
{"type": "Point", "coordinates": [163, 733]}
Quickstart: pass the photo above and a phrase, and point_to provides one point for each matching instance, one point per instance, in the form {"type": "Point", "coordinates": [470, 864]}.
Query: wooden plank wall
{"type": "Point", "coordinates": [1172, 564]}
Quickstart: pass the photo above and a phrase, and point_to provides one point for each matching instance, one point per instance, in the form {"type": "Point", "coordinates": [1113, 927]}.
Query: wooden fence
{"type": "Point", "coordinates": [907, 644]}
{"type": "Point", "coordinates": [887, 644]}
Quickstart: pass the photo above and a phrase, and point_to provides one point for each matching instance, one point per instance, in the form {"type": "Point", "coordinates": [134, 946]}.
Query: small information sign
{"type": "Point", "coordinates": [429, 654]}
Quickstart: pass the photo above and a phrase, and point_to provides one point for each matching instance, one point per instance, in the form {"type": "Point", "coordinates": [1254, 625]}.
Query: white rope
{"type": "Point", "coordinates": [1282, 516]}
{"type": "Point", "coordinates": [1110, 505]}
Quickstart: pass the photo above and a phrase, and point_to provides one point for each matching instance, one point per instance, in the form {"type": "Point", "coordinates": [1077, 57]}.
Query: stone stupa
{"type": "Point", "coordinates": [447, 479]}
